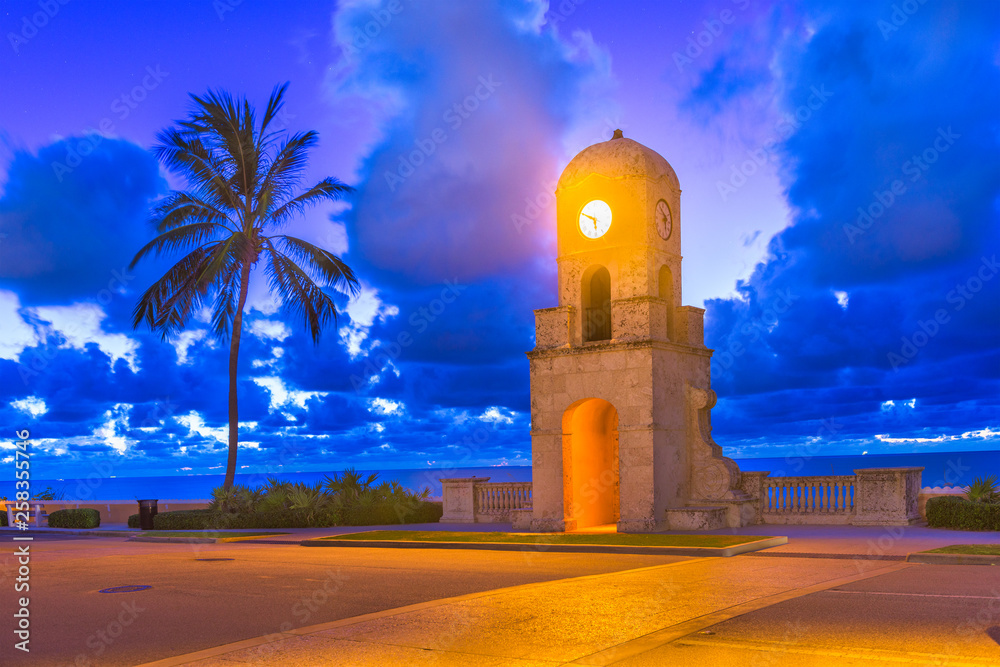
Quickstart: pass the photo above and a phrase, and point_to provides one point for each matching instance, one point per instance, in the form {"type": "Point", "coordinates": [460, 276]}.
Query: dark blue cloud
{"type": "Point", "coordinates": [885, 286]}
{"type": "Point", "coordinates": [73, 215]}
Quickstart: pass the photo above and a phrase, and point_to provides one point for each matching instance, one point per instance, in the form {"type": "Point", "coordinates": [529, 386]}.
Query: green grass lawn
{"type": "Point", "coordinates": [976, 549]}
{"type": "Point", "coordinates": [226, 536]}
{"type": "Point", "coordinates": [615, 539]}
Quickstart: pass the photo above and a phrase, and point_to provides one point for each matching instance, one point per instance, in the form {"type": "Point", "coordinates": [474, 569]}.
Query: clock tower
{"type": "Point", "coordinates": [620, 376]}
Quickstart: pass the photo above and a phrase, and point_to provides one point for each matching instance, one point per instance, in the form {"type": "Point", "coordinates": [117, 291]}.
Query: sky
{"type": "Point", "coordinates": [840, 175]}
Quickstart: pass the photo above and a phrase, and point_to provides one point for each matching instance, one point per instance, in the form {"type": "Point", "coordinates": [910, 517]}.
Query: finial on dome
{"type": "Point", "coordinates": [618, 135]}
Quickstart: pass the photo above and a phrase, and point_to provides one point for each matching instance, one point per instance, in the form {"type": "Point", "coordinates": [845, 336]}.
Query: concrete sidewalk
{"type": "Point", "coordinates": [863, 541]}
{"type": "Point", "coordinates": [591, 620]}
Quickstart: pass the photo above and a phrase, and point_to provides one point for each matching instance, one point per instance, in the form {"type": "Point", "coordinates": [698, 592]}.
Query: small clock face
{"type": "Point", "coordinates": [664, 221]}
{"type": "Point", "coordinates": [595, 218]}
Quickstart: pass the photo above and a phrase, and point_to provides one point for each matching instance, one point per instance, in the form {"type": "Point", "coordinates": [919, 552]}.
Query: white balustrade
{"type": "Point", "coordinates": [502, 497]}
{"type": "Point", "coordinates": [830, 494]}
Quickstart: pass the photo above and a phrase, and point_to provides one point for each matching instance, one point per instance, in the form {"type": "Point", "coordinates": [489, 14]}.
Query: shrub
{"type": "Point", "coordinates": [183, 520]}
{"type": "Point", "coordinates": [133, 521]}
{"type": "Point", "coordinates": [384, 514]}
{"type": "Point", "coordinates": [75, 518]}
{"type": "Point", "coordinates": [3, 518]}
{"type": "Point", "coordinates": [983, 490]}
{"type": "Point", "coordinates": [962, 514]}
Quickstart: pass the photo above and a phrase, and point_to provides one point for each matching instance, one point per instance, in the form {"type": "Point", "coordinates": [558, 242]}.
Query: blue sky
{"type": "Point", "coordinates": [840, 220]}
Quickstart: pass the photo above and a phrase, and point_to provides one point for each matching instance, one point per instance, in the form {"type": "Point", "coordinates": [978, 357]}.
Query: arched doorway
{"type": "Point", "coordinates": [590, 445]}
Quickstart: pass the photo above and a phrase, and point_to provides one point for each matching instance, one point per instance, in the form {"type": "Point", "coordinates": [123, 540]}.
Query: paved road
{"type": "Point", "coordinates": [195, 604]}
{"type": "Point", "coordinates": [925, 614]}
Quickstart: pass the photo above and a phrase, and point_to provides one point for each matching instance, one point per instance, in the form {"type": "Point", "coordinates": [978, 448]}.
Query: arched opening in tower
{"type": "Point", "coordinates": [597, 306]}
{"type": "Point", "coordinates": [667, 293]}
{"type": "Point", "coordinates": [590, 443]}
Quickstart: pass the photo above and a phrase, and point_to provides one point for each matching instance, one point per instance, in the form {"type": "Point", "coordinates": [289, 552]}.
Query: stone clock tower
{"type": "Point", "coordinates": [620, 378]}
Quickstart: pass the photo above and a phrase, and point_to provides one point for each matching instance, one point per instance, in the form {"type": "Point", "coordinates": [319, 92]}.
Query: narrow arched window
{"type": "Point", "coordinates": [667, 293]}
{"type": "Point", "coordinates": [597, 308]}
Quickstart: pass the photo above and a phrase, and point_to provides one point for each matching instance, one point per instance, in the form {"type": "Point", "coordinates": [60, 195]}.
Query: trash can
{"type": "Point", "coordinates": [147, 510]}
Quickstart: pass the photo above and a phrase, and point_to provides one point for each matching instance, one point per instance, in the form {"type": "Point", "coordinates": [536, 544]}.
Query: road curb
{"type": "Point", "coordinates": [953, 559]}
{"type": "Point", "coordinates": [208, 540]}
{"type": "Point", "coordinates": [717, 552]}
{"type": "Point", "coordinates": [95, 532]}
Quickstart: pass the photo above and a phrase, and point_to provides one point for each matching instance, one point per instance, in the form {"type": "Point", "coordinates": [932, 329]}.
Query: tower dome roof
{"type": "Point", "coordinates": [618, 158]}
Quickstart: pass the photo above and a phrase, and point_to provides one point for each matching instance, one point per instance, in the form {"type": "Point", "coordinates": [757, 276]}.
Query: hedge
{"type": "Point", "coordinates": [381, 515]}
{"type": "Point", "coordinates": [962, 514]}
{"type": "Point", "coordinates": [384, 515]}
{"type": "Point", "coordinates": [75, 518]}
{"type": "Point", "coordinates": [3, 518]}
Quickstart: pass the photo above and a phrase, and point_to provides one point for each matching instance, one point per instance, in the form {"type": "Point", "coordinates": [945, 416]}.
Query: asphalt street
{"type": "Point", "coordinates": [195, 604]}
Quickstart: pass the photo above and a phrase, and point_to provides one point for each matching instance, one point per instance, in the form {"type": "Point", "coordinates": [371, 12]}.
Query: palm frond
{"type": "Point", "coordinates": [333, 270]}
{"type": "Point", "coordinates": [300, 294]}
{"type": "Point", "coordinates": [194, 234]}
{"type": "Point", "coordinates": [328, 189]}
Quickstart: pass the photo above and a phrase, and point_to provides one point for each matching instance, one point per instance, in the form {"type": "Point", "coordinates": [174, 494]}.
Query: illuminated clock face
{"type": "Point", "coordinates": [664, 221]}
{"type": "Point", "coordinates": [595, 218]}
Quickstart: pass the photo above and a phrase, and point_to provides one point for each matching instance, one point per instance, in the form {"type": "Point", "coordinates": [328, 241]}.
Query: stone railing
{"type": "Point", "coordinates": [824, 499]}
{"type": "Point", "coordinates": [475, 500]}
{"type": "Point", "coordinates": [869, 497]}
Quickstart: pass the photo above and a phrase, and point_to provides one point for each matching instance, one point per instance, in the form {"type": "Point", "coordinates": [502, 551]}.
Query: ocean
{"type": "Point", "coordinates": [940, 469]}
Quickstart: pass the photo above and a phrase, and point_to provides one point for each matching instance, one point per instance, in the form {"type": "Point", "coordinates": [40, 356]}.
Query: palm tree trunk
{"type": "Point", "coordinates": [234, 353]}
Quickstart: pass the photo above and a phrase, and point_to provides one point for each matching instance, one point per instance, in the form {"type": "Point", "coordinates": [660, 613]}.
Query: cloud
{"type": "Point", "coordinates": [867, 295]}
{"type": "Point", "coordinates": [31, 406]}
{"type": "Point", "coordinates": [270, 330]}
{"type": "Point", "coordinates": [469, 128]}
{"type": "Point", "coordinates": [71, 234]}
{"type": "Point", "coordinates": [15, 333]}
{"type": "Point", "coordinates": [79, 325]}
{"type": "Point", "coordinates": [282, 396]}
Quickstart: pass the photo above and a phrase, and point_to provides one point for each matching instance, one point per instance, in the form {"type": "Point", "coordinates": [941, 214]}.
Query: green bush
{"type": "Point", "coordinates": [343, 500]}
{"type": "Point", "coordinates": [3, 518]}
{"type": "Point", "coordinates": [385, 514]}
{"type": "Point", "coordinates": [75, 518]}
{"type": "Point", "coordinates": [962, 514]}
{"type": "Point", "coordinates": [183, 520]}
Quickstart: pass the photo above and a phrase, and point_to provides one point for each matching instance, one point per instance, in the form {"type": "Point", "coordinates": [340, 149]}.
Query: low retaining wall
{"type": "Point", "coordinates": [869, 497]}
{"type": "Point", "coordinates": [113, 511]}
{"type": "Point", "coordinates": [475, 500]}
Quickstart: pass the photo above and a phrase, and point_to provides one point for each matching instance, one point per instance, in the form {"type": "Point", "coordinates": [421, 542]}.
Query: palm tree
{"type": "Point", "coordinates": [244, 182]}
